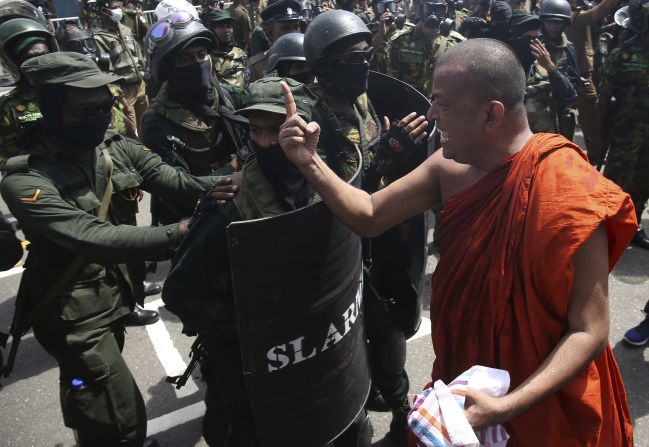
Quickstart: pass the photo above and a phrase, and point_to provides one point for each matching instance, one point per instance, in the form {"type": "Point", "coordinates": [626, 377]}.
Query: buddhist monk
{"type": "Point", "coordinates": [529, 232]}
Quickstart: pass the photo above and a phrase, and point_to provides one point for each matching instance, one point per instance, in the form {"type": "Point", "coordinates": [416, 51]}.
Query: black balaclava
{"type": "Point", "coordinates": [287, 181]}
{"type": "Point", "coordinates": [348, 81]}
{"type": "Point", "coordinates": [85, 134]}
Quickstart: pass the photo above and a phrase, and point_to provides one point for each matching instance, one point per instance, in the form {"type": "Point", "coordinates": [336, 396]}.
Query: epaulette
{"type": "Point", "coordinates": [17, 164]}
{"type": "Point", "coordinates": [112, 137]}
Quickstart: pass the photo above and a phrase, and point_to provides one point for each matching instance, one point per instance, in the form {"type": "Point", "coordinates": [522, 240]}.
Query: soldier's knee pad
{"type": "Point", "coordinates": [392, 353]}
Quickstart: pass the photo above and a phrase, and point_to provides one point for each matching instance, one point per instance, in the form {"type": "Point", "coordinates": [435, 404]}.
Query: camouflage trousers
{"type": "Point", "coordinates": [628, 158]}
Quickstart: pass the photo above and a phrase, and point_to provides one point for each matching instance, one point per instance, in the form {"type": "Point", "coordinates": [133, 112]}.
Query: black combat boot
{"type": "Point", "coordinates": [640, 239]}
{"type": "Point", "coordinates": [141, 317]}
{"type": "Point", "coordinates": [398, 433]}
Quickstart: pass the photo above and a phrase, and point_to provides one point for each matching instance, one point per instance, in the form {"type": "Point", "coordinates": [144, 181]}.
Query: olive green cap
{"type": "Point", "coordinates": [265, 95]}
{"type": "Point", "coordinates": [66, 68]}
{"type": "Point", "coordinates": [219, 15]}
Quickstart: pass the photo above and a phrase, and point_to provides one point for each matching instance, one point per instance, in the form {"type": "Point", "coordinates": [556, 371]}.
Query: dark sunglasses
{"type": "Point", "coordinates": [92, 110]}
{"type": "Point", "coordinates": [356, 57]}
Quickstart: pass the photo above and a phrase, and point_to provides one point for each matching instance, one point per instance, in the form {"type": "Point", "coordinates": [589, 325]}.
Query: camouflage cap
{"type": "Point", "coordinates": [66, 68]}
{"type": "Point", "coordinates": [265, 95]}
{"type": "Point", "coordinates": [218, 15]}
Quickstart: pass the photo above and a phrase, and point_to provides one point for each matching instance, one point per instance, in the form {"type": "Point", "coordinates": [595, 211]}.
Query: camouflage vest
{"type": "Point", "coordinates": [541, 111]}
{"type": "Point", "coordinates": [229, 68]}
{"type": "Point", "coordinates": [347, 131]}
{"type": "Point", "coordinates": [627, 77]}
{"type": "Point", "coordinates": [381, 60]}
{"type": "Point", "coordinates": [205, 148]}
{"type": "Point", "coordinates": [257, 198]}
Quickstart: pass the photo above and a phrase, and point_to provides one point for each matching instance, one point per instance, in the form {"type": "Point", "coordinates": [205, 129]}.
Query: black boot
{"type": "Point", "coordinates": [141, 317]}
{"type": "Point", "coordinates": [640, 239]}
{"type": "Point", "coordinates": [398, 433]}
{"type": "Point", "coordinates": [152, 287]}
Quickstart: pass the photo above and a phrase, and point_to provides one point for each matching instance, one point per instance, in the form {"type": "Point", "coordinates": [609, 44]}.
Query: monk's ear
{"type": "Point", "coordinates": [495, 114]}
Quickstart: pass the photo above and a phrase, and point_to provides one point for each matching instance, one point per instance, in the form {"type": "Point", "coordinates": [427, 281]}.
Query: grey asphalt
{"type": "Point", "coordinates": [29, 407]}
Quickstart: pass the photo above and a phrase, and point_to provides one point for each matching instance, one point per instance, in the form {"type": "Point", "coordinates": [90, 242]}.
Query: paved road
{"type": "Point", "coordinates": [29, 408]}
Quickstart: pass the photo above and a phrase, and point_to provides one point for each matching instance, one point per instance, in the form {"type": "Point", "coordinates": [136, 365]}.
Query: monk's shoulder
{"type": "Point", "coordinates": [453, 176]}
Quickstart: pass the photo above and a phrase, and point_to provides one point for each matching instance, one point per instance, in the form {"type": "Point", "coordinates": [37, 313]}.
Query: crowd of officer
{"type": "Point", "coordinates": [187, 108]}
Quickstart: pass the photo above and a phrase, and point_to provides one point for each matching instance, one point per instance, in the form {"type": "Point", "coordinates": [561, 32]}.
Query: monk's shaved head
{"type": "Point", "coordinates": [489, 69]}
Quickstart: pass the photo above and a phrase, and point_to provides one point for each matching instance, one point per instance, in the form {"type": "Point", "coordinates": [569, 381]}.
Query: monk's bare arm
{"type": "Point", "coordinates": [367, 215]}
{"type": "Point", "coordinates": [586, 337]}
{"type": "Point", "coordinates": [371, 215]}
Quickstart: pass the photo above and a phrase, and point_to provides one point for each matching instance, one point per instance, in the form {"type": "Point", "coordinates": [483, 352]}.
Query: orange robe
{"type": "Point", "coordinates": [501, 289]}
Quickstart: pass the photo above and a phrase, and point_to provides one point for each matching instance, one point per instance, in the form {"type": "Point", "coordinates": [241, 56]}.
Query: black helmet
{"type": "Point", "coordinates": [289, 47]}
{"type": "Point", "coordinates": [557, 10]}
{"type": "Point", "coordinates": [170, 35]}
{"type": "Point", "coordinates": [328, 29]}
{"type": "Point", "coordinates": [15, 31]}
{"type": "Point", "coordinates": [13, 9]}
{"type": "Point", "coordinates": [639, 16]}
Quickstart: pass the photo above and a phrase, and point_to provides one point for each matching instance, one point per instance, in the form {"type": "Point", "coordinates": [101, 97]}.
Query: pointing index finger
{"type": "Point", "coordinates": [289, 102]}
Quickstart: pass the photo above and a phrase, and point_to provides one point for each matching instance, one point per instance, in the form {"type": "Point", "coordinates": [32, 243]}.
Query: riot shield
{"type": "Point", "coordinates": [399, 255]}
{"type": "Point", "coordinates": [297, 281]}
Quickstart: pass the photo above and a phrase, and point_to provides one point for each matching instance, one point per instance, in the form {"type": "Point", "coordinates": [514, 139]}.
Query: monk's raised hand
{"type": "Point", "coordinates": [297, 138]}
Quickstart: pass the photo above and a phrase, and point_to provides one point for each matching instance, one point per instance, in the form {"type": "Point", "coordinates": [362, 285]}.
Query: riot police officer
{"type": "Point", "coordinates": [336, 46]}
{"type": "Point", "coordinates": [286, 58]}
{"type": "Point", "coordinates": [549, 92]}
{"type": "Point", "coordinates": [190, 122]}
{"type": "Point", "coordinates": [555, 16]}
{"type": "Point", "coordinates": [228, 60]}
{"type": "Point", "coordinates": [21, 37]}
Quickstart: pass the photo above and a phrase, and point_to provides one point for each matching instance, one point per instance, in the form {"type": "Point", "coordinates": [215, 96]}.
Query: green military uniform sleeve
{"type": "Point", "coordinates": [39, 207]}
{"type": "Point", "coordinates": [162, 179]}
{"type": "Point", "coordinates": [608, 86]}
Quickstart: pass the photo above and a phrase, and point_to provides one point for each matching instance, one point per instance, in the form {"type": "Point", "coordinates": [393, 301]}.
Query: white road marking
{"type": "Point", "coordinates": [13, 271]}
{"type": "Point", "coordinates": [169, 357]}
{"type": "Point", "coordinates": [424, 329]}
{"type": "Point", "coordinates": [175, 418]}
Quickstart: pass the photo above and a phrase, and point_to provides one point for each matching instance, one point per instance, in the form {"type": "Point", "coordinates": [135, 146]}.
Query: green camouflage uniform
{"type": "Point", "coordinates": [381, 60]}
{"type": "Point", "coordinates": [347, 131]}
{"type": "Point", "coordinates": [18, 110]}
{"type": "Point", "coordinates": [413, 57]}
{"type": "Point", "coordinates": [126, 57]}
{"type": "Point", "coordinates": [626, 77]}
{"type": "Point", "coordinates": [550, 98]}
{"type": "Point", "coordinates": [229, 68]}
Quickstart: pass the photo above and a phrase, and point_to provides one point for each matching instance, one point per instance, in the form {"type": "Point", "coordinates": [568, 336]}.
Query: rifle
{"type": "Point", "coordinates": [197, 352]}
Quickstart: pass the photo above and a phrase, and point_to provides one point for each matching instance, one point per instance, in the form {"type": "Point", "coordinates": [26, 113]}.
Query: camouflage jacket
{"type": "Point", "coordinates": [348, 130]}
{"type": "Point", "coordinates": [549, 95]}
{"type": "Point", "coordinates": [626, 77]}
{"type": "Point", "coordinates": [126, 57]}
{"type": "Point", "coordinates": [18, 110]}
{"type": "Point", "coordinates": [182, 138]}
{"type": "Point", "coordinates": [229, 68]}
{"type": "Point", "coordinates": [382, 45]}
{"type": "Point", "coordinates": [413, 57]}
